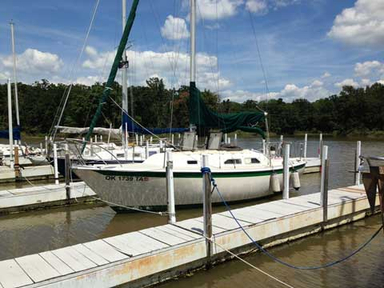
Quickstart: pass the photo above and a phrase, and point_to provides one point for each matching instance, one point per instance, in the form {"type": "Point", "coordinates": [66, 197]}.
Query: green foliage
{"type": "Point", "coordinates": [353, 111]}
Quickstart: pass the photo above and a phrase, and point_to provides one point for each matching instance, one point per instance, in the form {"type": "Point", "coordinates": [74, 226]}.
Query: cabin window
{"type": "Point", "coordinates": [233, 161]}
{"type": "Point", "coordinates": [120, 155]}
{"type": "Point", "coordinates": [251, 161]}
{"type": "Point", "coordinates": [192, 162]}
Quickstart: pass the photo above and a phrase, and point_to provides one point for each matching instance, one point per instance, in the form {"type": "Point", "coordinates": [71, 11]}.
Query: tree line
{"type": "Point", "coordinates": [153, 105]}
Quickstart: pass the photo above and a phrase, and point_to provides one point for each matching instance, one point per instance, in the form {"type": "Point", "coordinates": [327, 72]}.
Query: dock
{"type": "Point", "coordinates": [156, 254]}
{"type": "Point", "coordinates": [39, 197]}
{"type": "Point", "coordinates": [26, 173]}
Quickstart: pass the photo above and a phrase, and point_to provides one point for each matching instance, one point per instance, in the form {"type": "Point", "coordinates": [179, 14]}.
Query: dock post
{"type": "Point", "coordinates": [225, 138]}
{"type": "Point", "coordinates": [207, 210]}
{"type": "Point", "coordinates": [320, 145]}
{"type": "Point", "coordinates": [286, 171]}
{"type": "Point", "coordinates": [151, 139]}
{"type": "Point", "coordinates": [10, 125]}
{"type": "Point", "coordinates": [264, 147]}
{"type": "Point", "coordinates": [170, 189]}
{"type": "Point", "coordinates": [67, 176]}
{"type": "Point", "coordinates": [55, 164]}
{"type": "Point", "coordinates": [46, 146]}
{"type": "Point", "coordinates": [305, 145]}
{"type": "Point", "coordinates": [324, 182]}
{"type": "Point", "coordinates": [173, 139]}
{"type": "Point", "coordinates": [146, 149]}
{"type": "Point", "coordinates": [235, 139]}
{"type": "Point", "coordinates": [281, 145]}
{"type": "Point", "coordinates": [357, 163]}
{"type": "Point", "coordinates": [17, 162]}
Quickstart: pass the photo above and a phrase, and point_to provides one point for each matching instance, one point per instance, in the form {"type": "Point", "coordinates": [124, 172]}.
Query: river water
{"type": "Point", "coordinates": [37, 231]}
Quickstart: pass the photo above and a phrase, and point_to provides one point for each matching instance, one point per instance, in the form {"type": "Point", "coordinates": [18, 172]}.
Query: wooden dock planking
{"type": "Point", "coordinates": [105, 250]}
{"type": "Point", "coordinates": [74, 259]}
{"type": "Point", "coordinates": [180, 232]}
{"type": "Point", "coordinates": [37, 268]}
{"type": "Point", "coordinates": [166, 247]}
{"type": "Point", "coordinates": [54, 261]}
{"type": "Point", "coordinates": [163, 236]}
{"type": "Point", "coordinates": [11, 274]}
{"type": "Point", "coordinates": [94, 257]}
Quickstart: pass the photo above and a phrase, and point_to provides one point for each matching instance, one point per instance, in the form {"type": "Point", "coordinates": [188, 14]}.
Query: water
{"type": "Point", "coordinates": [38, 231]}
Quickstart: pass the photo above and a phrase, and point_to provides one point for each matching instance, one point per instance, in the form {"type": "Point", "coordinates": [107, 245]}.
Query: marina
{"type": "Point", "coordinates": [157, 254]}
{"type": "Point", "coordinates": [192, 143]}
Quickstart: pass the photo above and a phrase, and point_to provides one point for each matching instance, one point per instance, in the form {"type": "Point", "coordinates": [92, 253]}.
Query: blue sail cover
{"type": "Point", "coordinates": [16, 133]}
{"type": "Point", "coordinates": [133, 128]}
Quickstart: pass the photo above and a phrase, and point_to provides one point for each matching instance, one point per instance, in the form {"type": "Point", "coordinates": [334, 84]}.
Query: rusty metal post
{"type": "Point", "coordinates": [17, 162]}
{"type": "Point", "coordinates": [67, 177]}
{"type": "Point", "coordinates": [207, 207]}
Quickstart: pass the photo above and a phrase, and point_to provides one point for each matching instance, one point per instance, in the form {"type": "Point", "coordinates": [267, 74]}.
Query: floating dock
{"type": "Point", "coordinates": [37, 197]}
{"type": "Point", "coordinates": [156, 254]}
{"type": "Point", "coordinates": [312, 165]}
{"type": "Point", "coordinates": [26, 173]}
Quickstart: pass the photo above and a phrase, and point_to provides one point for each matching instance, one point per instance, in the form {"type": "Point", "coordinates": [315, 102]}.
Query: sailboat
{"type": "Point", "coordinates": [241, 174]}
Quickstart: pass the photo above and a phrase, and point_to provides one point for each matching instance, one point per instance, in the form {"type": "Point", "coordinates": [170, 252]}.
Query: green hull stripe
{"type": "Point", "coordinates": [161, 174]}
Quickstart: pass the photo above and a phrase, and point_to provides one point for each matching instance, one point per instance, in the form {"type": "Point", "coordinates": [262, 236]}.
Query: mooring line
{"type": "Point", "coordinates": [249, 264]}
{"type": "Point", "coordinates": [269, 254]}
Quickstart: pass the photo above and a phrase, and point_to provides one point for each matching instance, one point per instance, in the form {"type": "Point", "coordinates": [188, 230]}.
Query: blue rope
{"type": "Point", "coordinates": [262, 249]}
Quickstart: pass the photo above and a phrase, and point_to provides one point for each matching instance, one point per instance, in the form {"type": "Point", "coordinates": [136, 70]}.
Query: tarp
{"type": "Point", "coordinates": [201, 116]}
{"type": "Point", "coordinates": [16, 133]}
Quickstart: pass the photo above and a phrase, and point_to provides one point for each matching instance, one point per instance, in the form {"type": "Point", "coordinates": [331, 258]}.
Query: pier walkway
{"type": "Point", "coordinates": [152, 255]}
{"type": "Point", "coordinates": [35, 197]}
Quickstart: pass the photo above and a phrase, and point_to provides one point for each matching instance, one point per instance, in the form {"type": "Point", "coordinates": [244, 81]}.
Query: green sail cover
{"type": "Point", "coordinates": [201, 116]}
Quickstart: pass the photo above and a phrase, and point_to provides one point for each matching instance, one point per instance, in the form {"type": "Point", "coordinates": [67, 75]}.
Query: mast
{"type": "Point", "coordinates": [193, 42]}
{"type": "Point", "coordinates": [192, 76]}
{"type": "Point", "coordinates": [114, 69]}
{"type": "Point", "coordinates": [10, 126]}
{"type": "Point", "coordinates": [14, 73]}
{"type": "Point", "coordinates": [124, 80]}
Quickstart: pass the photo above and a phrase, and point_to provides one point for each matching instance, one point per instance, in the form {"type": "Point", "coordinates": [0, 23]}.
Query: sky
{"type": "Point", "coordinates": [246, 49]}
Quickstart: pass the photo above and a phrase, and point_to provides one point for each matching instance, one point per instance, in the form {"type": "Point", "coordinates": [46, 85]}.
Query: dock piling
{"type": "Point", "coordinates": [357, 163]}
{"type": "Point", "coordinates": [320, 145]}
{"type": "Point", "coordinates": [324, 181]}
{"type": "Point", "coordinates": [146, 149]}
{"type": "Point", "coordinates": [170, 189]}
{"type": "Point", "coordinates": [264, 147]}
{"type": "Point", "coordinates": [67, 176]}
{"type": "Point", "coordinates": [286, 171]}
{"type": "Point", "coordinates": [207, 209]}
{"type": "Point", "coordinates": [305, 145]}
{"type": "Point", "coordinates": [55, 164]}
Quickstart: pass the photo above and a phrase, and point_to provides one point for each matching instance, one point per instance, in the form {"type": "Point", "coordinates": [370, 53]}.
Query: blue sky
{"type": "Point", "coordinates": [309, 48]}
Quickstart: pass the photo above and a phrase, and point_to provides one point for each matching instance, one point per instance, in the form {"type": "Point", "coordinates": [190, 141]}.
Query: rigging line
{"type": "Point", "coordinates": [248, 263]}
{"type": "Point", "coordinates": [77, 63]}
{"type": "Point", "coordinates": [126, 112]}
{"type": "Point", "coordinates": [278, 260]}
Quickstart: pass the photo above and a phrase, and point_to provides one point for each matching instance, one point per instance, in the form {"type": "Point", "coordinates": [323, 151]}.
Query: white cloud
{"type": "Point", "coordinates": [173, 67]}
{"type": "Point", "coordinates": [326, 75]}
{"type": "Point", "coordinates": [217, 9]}
{"type": "Point", "coordinates": [241, 96]}
{"type": "Point", "coordinates": [380, 82]}
{"type": "Point", "coordinates": [347, 82]}
{"type": "Point", "coordinates": [257, 6]}
{"type": "Point", "coordinates": [174, 28]}
{"type": "Point", "coordinates": [317, 83]}
{"type": "Point", "coordinates": [366, 82]}
{"type": "Point", "coordinates": [90, 80]}
{"type": "Point", "coordinates": [368, 67]}
{"type": "Point", "coordinates": [361, 25]}
{"type": "Point", "coordinates": [33, 61]}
